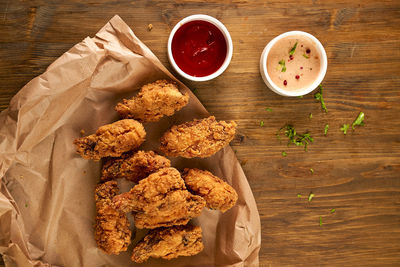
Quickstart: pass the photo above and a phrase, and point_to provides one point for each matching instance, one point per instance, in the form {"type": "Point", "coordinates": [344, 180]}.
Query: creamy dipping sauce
{"type": "Point", "coordinates": [293, 63]}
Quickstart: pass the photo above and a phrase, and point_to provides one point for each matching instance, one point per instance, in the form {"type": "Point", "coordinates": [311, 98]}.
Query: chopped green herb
{"type": "Point", "coordinates": [26, 205]}
{"type": "Point", "coordinates": [333, 210]}
{"type": "Point", "coordinates": [310, 115]}
{"type": "Point", "coordinates": [359, 121]}
{"type": "Point", "coordinates": [283, 65]}
{"type": "Point", "coordinates": [326, 129]}
{"type": "Point", "coordinates": [300, 96]}
{"type": "Point", "coordinates": [310, 197]}
{"type": "Point", "coordinates": [296, 138]}
{"type": "Point", "coordinates": [307, 57]}
{"type": "Point", "coordinates": [284, 154]}
{"type": "Point", "coordinates": [261, 123]}
{"type": "Point", "coordinates": [194, 90]}
{"type": "Point", "coordinates": [344, 128]}
{"type": "Point", "coordinates": [311, 170]}
{"type": "Point", "coordinates": [291, 52]}
{"type": "Point", "coordinates": [318, 96]}
{"type": "Point", "coordinates": [320, 221]}
{"type": "Point", "coordinates": [268, 109]}
{"type": "Point", "coordinates": [298, 195]}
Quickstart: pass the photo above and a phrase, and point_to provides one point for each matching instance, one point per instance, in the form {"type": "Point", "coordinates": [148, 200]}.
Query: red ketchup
{"type": "Point", "coordinates": [199, 48]}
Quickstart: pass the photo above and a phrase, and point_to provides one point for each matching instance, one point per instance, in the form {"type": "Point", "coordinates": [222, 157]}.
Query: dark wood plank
{"type": "Point", "coordinates": [357, 174]}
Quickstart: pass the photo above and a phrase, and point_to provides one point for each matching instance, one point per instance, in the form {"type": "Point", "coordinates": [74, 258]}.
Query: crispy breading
{"type": "Point", "coordinates": [111, 140]}
{"type": "Point", "coordinates": [112, 233]}
{"type": "Point", "coordinates": [177, 208]}
{"type": "Point", "coordinates": [217, 193]}
{"type": "Point", "coordinates": [155, 100]}
{"type": "Point", "coordinates": [161, 199]}
{"type": "Point", "coordinates": [197, 138]}
{"type": "Point", "coordinates": [169, 243]}
{"type": "Point", "coordinates": [133, 167]}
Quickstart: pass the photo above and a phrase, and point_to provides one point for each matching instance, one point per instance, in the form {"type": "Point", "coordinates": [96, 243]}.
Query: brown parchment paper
{"type": "Point", "coordinates": [47, 205]}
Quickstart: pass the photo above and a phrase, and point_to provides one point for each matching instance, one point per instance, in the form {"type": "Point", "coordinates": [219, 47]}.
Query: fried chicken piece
{"type": "Point", "coordinates": [176, 209]}
{"type": "Point", "coordinates": [111, 140]}
{"type": "Point", "coordinates": [159, 200]}
{"type": "Point", "coordinates": [153, 102]}
{"type": "Point", "coordinates": [217, 193]}
{"type": "Point", "coordinates": [197, 138]}
{"type": "Point", "coordinates": [169, 243]}
{"type": "Point", "coordinates": [133, 167]}
{"type": "Point", "coordinates": [112, 233]}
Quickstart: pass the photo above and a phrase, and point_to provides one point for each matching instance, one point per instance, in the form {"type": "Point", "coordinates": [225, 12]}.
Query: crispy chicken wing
{"type": "Point", "coordinates": [154, 101]}
{"type": "Point", "coordinates": [216, 192]}
{"type": "Point", "coordinates": [197, 138]}
{"type": "Point", "coordinates": [133, 167]}
{"type": "Point", "coordinates": [112, 233]}
{"type": "Point", "coordinates": [111, 140]}
{"type": "Point", "coordinates": [161, 199]}
{"type": "Point", "coordinates": [169, 243]}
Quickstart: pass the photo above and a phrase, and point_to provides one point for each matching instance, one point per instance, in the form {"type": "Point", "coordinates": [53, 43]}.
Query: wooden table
{"type": "Point", "coordinates": [358, 175]}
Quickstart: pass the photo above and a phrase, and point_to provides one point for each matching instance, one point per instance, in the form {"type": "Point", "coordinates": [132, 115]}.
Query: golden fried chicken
{"type": "Point", "coordinates": [154, 101]}
{"type": "Point", "coordinates": [216, 192]}
{"type": "Point", "coordinates": [169, 243]}
{"type": "Point", "coordinates": [159, 200]}
{"type": "Point", "coordinates": [111, 140]}
{"type": "Point", "coordinates": [112, 233]}
{"type": "Point", "coordinates": [133, 167]}
{"type": "Point", "coordinates": [197, 138]}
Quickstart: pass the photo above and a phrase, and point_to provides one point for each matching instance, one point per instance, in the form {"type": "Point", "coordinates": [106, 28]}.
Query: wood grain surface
{"type": "Point", "coordinates": [358, 175]}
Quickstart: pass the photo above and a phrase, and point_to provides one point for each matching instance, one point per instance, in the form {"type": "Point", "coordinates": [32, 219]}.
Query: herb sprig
{"type": "Point", "coordinates": [344, 128]}
{"type": "Point", "coordinates": [326, 129]}
{"type": "Point", "coordinates": [283, 65]}
{"type": "Point", "coordinates": [291, 52]}
{"type": "Point", "coordinates": [296, 138]}
{"type": "Point", "coordinates": [359, 121]}
{"type": "Point", "coordinates": [318, 96]}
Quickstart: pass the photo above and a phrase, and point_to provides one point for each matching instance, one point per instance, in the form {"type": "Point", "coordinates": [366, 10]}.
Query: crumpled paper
{"type": "Point", "coordinates": [47, 206]}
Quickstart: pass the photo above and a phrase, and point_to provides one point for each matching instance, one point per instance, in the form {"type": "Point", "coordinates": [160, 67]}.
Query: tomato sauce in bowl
{"type": "Point", "coordinates": [199, 48]}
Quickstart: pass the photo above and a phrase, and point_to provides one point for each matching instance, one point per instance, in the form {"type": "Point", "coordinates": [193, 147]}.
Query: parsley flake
{"type": "Point", "coordinates": [268, 109]}
{"type": "Point", "coordinates": [320, 221]}
{"type": "Point", "coordinates": [307, 57]}
{"type": "Point", "coordinates": [318, 96]}
{"type": "Point", "coordinates": [284, 154]}
{"type": "Point", "coordinates": [333, 210]}
{"type": "Point", "coordinates": [26, 205]}
{"type": "Point", "coordinates": [326, 129]}
{"type": "Point", "coordinates": [300, 96]}
{"type": "Point", "coordinates": [310, 115]}
{"type": "Point", "coordinates": [298, 195]}
{"type": "Point", "coordinates": [310, 197]}
{"type": "Point", "coordinates": [283, 65]}
{"type": "Point", "coordinates": [344, 128]}
{"type": "Point", "coordinates": [296, 138]}
{"type": "Point", "coordinates": [291, 52]}
{"type": "Point", "coordinates": [312, 170]}
{"type": "Point", "coordinates": [359, 121]}
{"type": "Point", "coordinates": [261, 123]}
